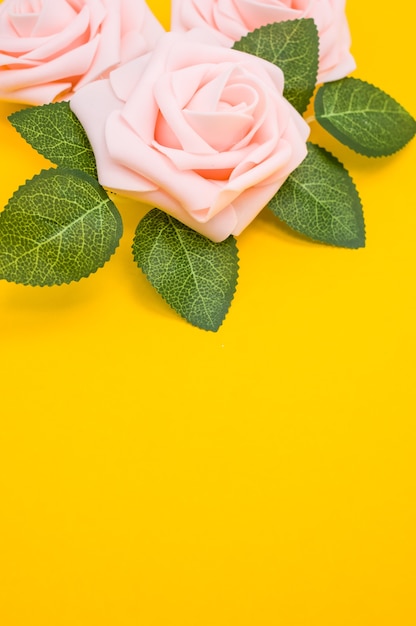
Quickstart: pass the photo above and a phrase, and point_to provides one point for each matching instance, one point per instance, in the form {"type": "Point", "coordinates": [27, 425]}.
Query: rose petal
{"type": "Point", "coordinates": [128, 149]}
{"type": "Point", "coordinates": [201, 131]}
{"type": "Point", "coordinates": [47, 92]}
{"type": "Point", "coordinates": [171, 110]}
{"type": "Point", "coordinates": [75, 62]}
{"type": "Point", "coordinates": [220, 130]}
{"type": "Point", "coordinates": [45, 48]}
{"type": "Point", "coordinates": [140, 29]}
{"type": "Point", "coordinates": [231, 19]}
{"type": "Point", "coordinates": [24, 21]}
{"type": "Point", "coordinates": [54, 17]}
{"type": "Point", "coordinates": [254, 14]}
{"type": "Point", "coordinates": [85, 38]}
{"type": "Point", "coordinates": [215, 161]}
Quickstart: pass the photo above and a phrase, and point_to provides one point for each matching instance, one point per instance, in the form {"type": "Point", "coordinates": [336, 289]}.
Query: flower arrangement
{"type": "Point", "coordinates": [205, 123]}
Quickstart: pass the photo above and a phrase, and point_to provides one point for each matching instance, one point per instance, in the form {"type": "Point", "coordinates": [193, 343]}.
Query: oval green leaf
{"type": "Point", "coordinates": [195, 276]}
{"type": "Point", "coordinates": [363, 117]}
{"type": "Point", "coordinates": [59, 227]}
{"type": "Point", "coordinates": [57, 134]}
{"type": "Point", "coordinates": [320, 200]}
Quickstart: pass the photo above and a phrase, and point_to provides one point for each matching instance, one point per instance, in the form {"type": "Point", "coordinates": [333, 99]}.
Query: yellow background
{"type": "Point", "coordinates": [152, 474]}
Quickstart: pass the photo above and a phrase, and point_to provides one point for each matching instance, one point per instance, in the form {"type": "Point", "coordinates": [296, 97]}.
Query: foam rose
{"type": "Point", "coordinates": [233, 19]}
{"type": "Point", "coordinates": [196, 129]}
{"type": "Point", "coordinates": [51, 48]}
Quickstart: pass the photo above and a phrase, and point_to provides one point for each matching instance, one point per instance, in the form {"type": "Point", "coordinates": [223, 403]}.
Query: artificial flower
{"type": "Point", "coordinates": [196, 129]}
{"type": "Point", "coordinates": [51, 48]}
{"type": "Point", "coordinates": [232, 19]}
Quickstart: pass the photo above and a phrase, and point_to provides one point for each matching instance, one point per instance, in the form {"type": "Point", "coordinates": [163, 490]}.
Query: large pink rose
{"type": "Point", "coordinates": [50, 48]}
{"type": "Point", "coordinates": [235, 18]}
{"type": "Point", "coordinates": [196, 129]}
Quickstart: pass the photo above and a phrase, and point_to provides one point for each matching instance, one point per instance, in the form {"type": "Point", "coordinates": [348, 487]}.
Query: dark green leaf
{"type": "Point", "coordinates": [56, 133]}
{"type": "Point", "coordinates": [319, 200]}
{"type": "Point", "coordinates": [293, 46]}
{"type": "Point", "coordinates": [195, 276]}
{"type": "Point", "coordinates": [363, 117]}
{"type": "Point", "coordinates": [59, 227]}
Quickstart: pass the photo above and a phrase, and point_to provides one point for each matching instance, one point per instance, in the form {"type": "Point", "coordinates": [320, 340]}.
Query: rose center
{"type": "Point", "coordinates": [223, 121]}
{"type": "Point", "coordinates": [26, 6]}
{"type": "Point", "coordinates": [39, 18]}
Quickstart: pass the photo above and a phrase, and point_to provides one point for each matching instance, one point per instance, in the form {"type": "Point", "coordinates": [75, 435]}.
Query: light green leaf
{"type": "Point", "coordinates": [56, 133]}
{"type": "Point", "coordinates": [293, 46]}
{"type": "Point", "coordinates": [59, 227]}
{"type": "Point", "coordinates": [363, 117]}
{"type": "Point", "coordinates": [319, 200]}
{"type": "Point", "coordinates": [195, 276]}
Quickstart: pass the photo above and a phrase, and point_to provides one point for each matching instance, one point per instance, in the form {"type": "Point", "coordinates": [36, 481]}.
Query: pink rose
{"type": "Point", "coordinates": [196, 129]}
{"type": "Point", "coordinates": [235, 18]}
{"type": "Point", "coordinates": [50, 48]}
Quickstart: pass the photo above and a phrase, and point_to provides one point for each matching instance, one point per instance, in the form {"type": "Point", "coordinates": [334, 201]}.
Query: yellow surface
{"type": "Point", "coordinates": [152, 474]}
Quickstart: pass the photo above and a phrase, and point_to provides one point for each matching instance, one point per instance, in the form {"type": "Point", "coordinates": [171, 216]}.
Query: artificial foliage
{"type": "Point", "coordinates": [363, 117]}
{"type": "Point", "coordinates": [196, 276]}
{"type": "Point", "coordinates": [321, 201]}
{"type": "Point", "coordinates": [62, 225]}
{"type": "Point", "coordinates": [59, 227]}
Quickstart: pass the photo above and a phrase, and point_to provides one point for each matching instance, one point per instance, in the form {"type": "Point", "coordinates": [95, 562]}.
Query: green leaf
{"type": "Point", "coordinates": [294, 47]}
{"type": "Point", "coordinates": [59, 227]}
{"type": "Point", "coordinates": [195, 276]}
{"type": "Point", "coordinates": [363, 117]}
{"type": "Point", "coordinates": [319, 200]}
{"type": "Point", "coordinates": [56, 133]}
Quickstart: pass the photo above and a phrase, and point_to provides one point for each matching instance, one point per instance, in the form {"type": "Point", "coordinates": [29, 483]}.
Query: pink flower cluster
{"type": "Point", "coordinates": [184, 122]}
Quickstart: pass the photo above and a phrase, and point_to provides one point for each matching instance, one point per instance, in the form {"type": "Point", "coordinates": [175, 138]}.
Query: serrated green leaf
{"type": "Point", "coordinates": [57, 228]}
{"type": "Point", "coordinates": [56, 133]}
{"type": "Point", "coordinates": [363, 117]}
{"type": "Point", "coordinates": [294, 47]}
{"type": "Point", "coordinates": [195, 276]}
{"type": "Point", "coordinates": [319, 200]}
